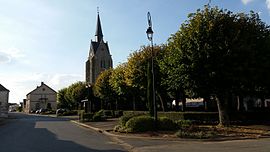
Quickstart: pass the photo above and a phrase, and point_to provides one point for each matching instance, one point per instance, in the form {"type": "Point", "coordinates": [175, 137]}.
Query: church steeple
{"type": "Point", "coordinates": [99, 35]}
{"type": "Point", "coordinates": [99, 58]}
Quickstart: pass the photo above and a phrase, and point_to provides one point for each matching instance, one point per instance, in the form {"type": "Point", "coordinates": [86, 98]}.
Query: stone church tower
{"type": "Point", "coordinates": [99, 58]}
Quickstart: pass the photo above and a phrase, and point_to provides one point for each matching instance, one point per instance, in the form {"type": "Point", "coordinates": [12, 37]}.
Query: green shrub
{"type": "Point", "coordinates": [195, 134]}
{"type": "Point", "coordinates": [70, 113]}
{"type": "Point", "coordinates": [140, 124]}
{"type": "Point", "coordinates": [98, 116]}
{"type": "Point", "coordinates": [135, 113]}
{"type": "Point", "coordinates": [118, 113]}
{"type": "Point", "coordinates": [108, 113]}
{"type": "Point", "coordinates": [167, 124]}
{"type": "Point", "coordinates": [196, 116]}
{"type": "Point", "coordinates": [123, 120]}
{"type": "Point", "coordinates": [100, 112]}
{"type": "Point", "coordinates": [183, 124]}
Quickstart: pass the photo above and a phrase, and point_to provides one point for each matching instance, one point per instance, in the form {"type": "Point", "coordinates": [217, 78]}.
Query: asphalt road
{"type": "Point", "coordinates": [25, 133]}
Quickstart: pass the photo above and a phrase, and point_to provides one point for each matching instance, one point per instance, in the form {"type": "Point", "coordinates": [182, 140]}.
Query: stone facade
{"type": "Point", "coordinates": [42, 97]}
{"type": "Point", "coordinates": [4, 94]}
{"type": "Point", "coordinates": [99, 58]}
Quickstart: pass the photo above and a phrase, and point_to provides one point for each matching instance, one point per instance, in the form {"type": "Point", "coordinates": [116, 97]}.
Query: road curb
{"type": "Point", "coordinates": [87, 126]}
{"type": "Point", "coordinates": [161, 138]}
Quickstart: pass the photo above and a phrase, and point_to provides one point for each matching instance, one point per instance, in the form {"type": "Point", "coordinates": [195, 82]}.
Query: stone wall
{"type": "Point", "coordinates": [4, 103]}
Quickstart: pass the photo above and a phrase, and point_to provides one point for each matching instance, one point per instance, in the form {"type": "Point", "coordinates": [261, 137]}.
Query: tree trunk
{"type": "Point", "coordinates": [239, 103]}
{"type": "Point", "coordinates": [222, 103]}
{"type": "Point", "coordinates": [134, 103]}
{"type": "Point", "coordinates": [161, 102]}
{"type": "Point", "coordinates": [183, 104]}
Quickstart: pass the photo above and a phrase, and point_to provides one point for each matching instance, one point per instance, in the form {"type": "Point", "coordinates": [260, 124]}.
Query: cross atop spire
{"type": "Point", "coordinates": [99, 35]}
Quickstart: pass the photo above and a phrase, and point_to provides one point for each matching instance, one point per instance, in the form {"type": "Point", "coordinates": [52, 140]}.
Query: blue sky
{"type": "Point", "coordinates": [48, 40]}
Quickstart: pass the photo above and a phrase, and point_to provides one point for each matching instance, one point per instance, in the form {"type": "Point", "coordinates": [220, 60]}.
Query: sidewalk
{"type": "Point", "coordinates": [103, 126]}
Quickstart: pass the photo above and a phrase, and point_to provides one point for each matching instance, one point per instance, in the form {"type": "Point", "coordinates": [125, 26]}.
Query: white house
{"type": "Point", "coordinates": [3, 101]}
{"type": "Point", "coordinates": [41, 97]}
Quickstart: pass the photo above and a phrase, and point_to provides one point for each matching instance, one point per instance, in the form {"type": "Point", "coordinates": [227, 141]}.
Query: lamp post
{"type": "Point", "coordinates": [150, 33]}
{"type": "Point", "coordinates": [88, 107]}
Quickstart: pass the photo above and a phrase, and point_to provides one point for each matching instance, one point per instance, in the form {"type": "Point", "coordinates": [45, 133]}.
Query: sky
{"type": "Point", "coordinates": [48, 40]}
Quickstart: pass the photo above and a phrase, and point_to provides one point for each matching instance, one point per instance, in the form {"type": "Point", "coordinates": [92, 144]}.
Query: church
{"type": "Point", "coordinates": [99, 58]}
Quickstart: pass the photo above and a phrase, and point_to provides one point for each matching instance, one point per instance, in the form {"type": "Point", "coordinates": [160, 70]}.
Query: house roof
{"type": "Point", "coordinates": [42, 83]}
{"type": "Point", "coordinates": [2, 88]}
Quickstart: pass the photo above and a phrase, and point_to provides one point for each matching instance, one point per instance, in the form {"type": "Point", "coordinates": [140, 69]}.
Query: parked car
{"type": "Point", "coordinates": [60, 111]}
{"type": "Point", "coordinates": [41, 111]}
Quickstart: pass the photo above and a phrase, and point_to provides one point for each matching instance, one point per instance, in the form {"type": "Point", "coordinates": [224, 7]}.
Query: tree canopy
{"type": "Point", "coordinates": [216, 53]}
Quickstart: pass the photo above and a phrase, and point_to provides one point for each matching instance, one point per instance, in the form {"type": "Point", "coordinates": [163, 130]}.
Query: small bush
{"type": "Point", "coordinates": [98, 116]}
{"type": "Point", "coordinates": [69, 113]}
{"type": "Point", "coordinates": [123, 120]}
{"type": "Point", "coordinates": [108, 113]}
{"type": "Point", "coordinates": [196, 134]}
{"type": "Point", "coordinates": [197, 116]}
{"type": "Point", "coordinates": [167, 124]}
{"type": "Point", "coordinates": [140, 124]}
{"type": "Point", "coordinates": [118, 113]}
{"type": "Point", "coordinates": [182, 124]}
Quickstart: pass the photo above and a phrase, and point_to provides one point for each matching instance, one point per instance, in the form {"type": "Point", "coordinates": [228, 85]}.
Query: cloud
{"type": "Point", "coordinates": [10, 54]}
{"type": "Point", "coordinates": [247, 1]}
{"type": "Point", "coordinates": [4, 58]}
{"type": "Point", "coordinates": [23, 83]}
{"type": "Point", "coordinates": [267, 2]}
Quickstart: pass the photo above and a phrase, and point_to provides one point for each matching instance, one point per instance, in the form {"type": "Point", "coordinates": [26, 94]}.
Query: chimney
{"type": "Point", "coordinates": [42, 83]}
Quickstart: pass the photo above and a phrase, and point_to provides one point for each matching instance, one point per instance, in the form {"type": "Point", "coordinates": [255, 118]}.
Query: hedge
{"type": "Point", "coordinates": [196, 116]}
{"type": "Point", "coordinates": [140, 124]}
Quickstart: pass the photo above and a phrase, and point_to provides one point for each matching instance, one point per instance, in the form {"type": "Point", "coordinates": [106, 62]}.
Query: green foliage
{"type": "Point", "coordinates": [118, 81]}
{"type": "Point", "coordinates": [183, 124]}
{"type": "Point", "coordinates": [118, 113]}
{"type": "Point", "coordinates": [19, 109]}
{"type": "Point", "coordinates": [99, 116]}
{"type": "Point", "coordinates": [123, 120]}
{"type": "Point", "coordinates": [216, 52]}
{"type": "Point", "coordinates": [108, 113]}
{"type": "Point", "coordinates": [195, 116]}
{"type": "Point", "coordinates": [166, 124]}
{"type": "Point", "coordinates": [196, 134]}
{"type": "Point", "coordinates": [70, 97]}
{"type": "Point", "coordinates": [102, 87]}
{"type": "Point", "coordinates": [140, 124]}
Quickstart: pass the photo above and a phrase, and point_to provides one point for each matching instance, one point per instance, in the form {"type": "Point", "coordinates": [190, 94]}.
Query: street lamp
{"type": "Point", "coordinates": [89, 105]}
{"type": "Point", "coordinates": [150, 33]}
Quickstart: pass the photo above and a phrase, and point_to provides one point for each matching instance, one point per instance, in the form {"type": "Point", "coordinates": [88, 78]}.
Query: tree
{"type": "Point", "coordinates": [103, 89]}
{"type": "Point", "coordinates": [136, 71]}
{"type": "Point", "coordinates": [217, 53]}
{"type": "Point", "coordinates": [61, 101]}
{"type": "Point", "coordinates": [118, 83]}
{"type": "Point", "coordinates": [71, 96]}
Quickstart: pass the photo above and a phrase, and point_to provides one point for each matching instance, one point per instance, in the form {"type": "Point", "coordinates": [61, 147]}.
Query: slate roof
{"type": "Point", "coordinates": [40, 86]}
{"type": "Point", "coordinates": [2, 88]}
{"type": "Point", "coordinates": [94, 46]}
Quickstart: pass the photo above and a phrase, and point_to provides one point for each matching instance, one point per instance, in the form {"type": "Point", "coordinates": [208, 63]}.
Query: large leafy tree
{"type": "Point", "coordinates": [217, 53]}
{"type": "Point", "coordinates": [103, 89]}
{"type": "Point", "coordinates": [71, 96]}
{"type": "Point", "coordinates": [61, 101]}
{"type": "Point", "coordinates": [136, 71]}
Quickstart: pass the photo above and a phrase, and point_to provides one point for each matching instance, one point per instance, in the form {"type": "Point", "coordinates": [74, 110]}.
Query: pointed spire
{"type": "Point", "coordinates": [99, 35]}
